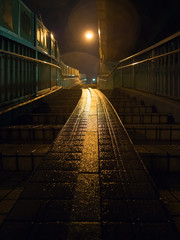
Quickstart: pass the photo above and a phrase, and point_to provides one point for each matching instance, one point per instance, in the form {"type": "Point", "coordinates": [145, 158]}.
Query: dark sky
{"type": "Point", "coordinates": [69, 19]}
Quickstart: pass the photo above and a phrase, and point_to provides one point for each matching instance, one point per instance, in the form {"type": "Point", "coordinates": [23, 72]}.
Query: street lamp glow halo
{"type": "Point", "coordinates": [89, 35]}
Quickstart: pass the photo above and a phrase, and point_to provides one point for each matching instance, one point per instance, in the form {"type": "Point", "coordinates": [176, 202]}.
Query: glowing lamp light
{"type": "Point", "coordinates": [89, 35]}
{"type": "Point", "coordinates": [93, 79]}
{"type": "Point", "coordinates": [52, 36]}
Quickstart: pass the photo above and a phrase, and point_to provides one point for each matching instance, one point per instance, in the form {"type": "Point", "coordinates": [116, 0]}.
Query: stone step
{"type": "Point", "coordinates": [145, 118]}
{"type": "Point", "coordinates": [70, 97]}
{"type": "Point", "coordinates": [114, 93]}
{"type": "Point", "coordinates": [126, 99]}
{"type": "Point", "coordinates": [30, 133]}
{"type": "Point", "coordinates": [164, 132]}
{"type": "Point", "coordinates": [134, 109]}
{"type": "Point", "coordinates": [119, 97]}
{"type": "Point", "coordinates": [50, 118]}
{"type": "Point", "coordinates": [21, 157]}
{"type": "Point", "coordinates": [160, 158]}
{"type": "Point", "coordinates": [61, 100]}
{"type": "Point", "coordinates": [63, 109]}
{"type": "Point", "coordinates": [119, 104]}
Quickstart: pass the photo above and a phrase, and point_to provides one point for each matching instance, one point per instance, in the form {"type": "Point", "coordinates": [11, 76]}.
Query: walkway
{"type": "Point", "coordinates": [91, 185]}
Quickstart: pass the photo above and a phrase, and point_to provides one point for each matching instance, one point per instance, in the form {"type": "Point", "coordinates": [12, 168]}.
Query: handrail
{"type": "Point", "coordinates": [135, 63]}
{"type": "Point", "coordinates": [29, 58]}
{"type": "Point", "coordinates": [70, 76]}
{"type": "Point", "coordinates": [152, 47]}
{"type": "Point", "coordinates": [150, 59]}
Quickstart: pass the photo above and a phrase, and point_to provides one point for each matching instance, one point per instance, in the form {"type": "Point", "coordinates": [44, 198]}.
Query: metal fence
{"type": "Point", "coordinates": [29, 55]}
{"type": "Point", "coordinates": [155, 70]}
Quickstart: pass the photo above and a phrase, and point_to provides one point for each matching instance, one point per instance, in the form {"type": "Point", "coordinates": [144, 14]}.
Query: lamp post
{"type": "Point", "coordinates": [91, 38]}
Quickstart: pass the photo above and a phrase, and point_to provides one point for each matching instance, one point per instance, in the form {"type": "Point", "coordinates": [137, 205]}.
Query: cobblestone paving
{"type": "Point", "coordinates": [91, 185]}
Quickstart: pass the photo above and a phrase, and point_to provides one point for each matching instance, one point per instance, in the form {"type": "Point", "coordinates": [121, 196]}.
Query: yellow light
{"type": "Point", "coordinates": [89, 35]}
{"type": "Point", "coordinates": [52, 36]}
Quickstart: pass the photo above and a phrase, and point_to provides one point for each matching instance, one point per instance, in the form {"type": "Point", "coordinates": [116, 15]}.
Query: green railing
{"type": "Point", "coordinates": [29, 55]}
{"type": "Point", "coordinates": [155, 70]}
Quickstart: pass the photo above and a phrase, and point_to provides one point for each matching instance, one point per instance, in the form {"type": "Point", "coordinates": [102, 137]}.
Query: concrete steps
{"type": "Point", "coordinates": [23, 144]}
{"type": "Point", "coordinates": [160, 157]}
{"type": "Point", "coordinates": [50, 118]}
{"type": "Point", "coordinates": [29, 133]}
{"type": "Point", "coordinates": [125, 103]}
{"type": "Point", "coordinates": [155, 135]}
{"type": "Point", "coordinates": [21, 157]}
{"type": "Point", "coordinates": [65, 108]}
{"type": "Point", "coordinates": [155, 132]}
{"type": "Point", "coordinates": [144, 118]}
{"type": "Point", "coordinates": [134, 109]}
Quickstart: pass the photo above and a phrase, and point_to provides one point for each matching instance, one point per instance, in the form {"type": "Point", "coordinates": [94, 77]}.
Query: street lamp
{"type": "Point", "coordinates": [89, 35]}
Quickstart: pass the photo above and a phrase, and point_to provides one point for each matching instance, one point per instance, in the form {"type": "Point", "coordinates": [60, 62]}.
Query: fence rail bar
{"type": "Point", "coordinates": [28, 58]}
{"type": "Point", "coordinates": [149, 59]}
{"type": "Point", "coordinates": [154, 70]}
{"type": "Point", "coordinates": [166, 40]}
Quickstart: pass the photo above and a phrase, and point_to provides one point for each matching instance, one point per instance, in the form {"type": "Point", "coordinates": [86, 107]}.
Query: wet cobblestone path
{"type": "Point", "coordinates": [91, 185]}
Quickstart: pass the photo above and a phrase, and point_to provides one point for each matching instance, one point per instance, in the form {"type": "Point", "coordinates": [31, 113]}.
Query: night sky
{"type": "Point", "coordinates": [69, 19]}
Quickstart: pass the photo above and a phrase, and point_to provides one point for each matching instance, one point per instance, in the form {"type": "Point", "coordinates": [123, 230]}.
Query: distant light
{"type": "Point", "coordinates": [93, 79]}
{"type": "Point", "coordinates": [89, 35]}
{"type": "Point", "coordinates": [52, 36]}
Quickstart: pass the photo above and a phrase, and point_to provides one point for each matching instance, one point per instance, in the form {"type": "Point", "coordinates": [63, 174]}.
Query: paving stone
{"type": "Point", "coordinates": [25, 210]}
{"type": "Point", "coordinates": [50, 230]}
{"type": "Point", "coordinates": [4, 192]}
{"type": "Point", "coordinates": [115, 230]}
{"type": "Point", "coordinates": [149, 211]}
{"type": "Point", "coordinates": [115, 210]}
{"type": "Point", "coordinates": [105, 148]}
{"type": "Point", "coordinates": [111, 175]}
{"type": "Point", "coordinates": [112, 190]}
{"type": "Point", "coordinates": [155, 231]}
{"type": "Point", "coordinates": [15, 230]}
{"type": "Point", "coordinates": [109, 165]}
{"type": "Point", "coordinates": [126, 148]}
{"type": "Point", "coordinates": [86, 203]}
{"type": "Point", "coordinates": [137, 176]}
{"type": "Point", "coordinates": [63, 156]}
{"type": "Point", "coordinates": [142, 191]}
{"type": "Point", "coordinates": [59, 165]}
{"type": "Point", "coordinates": [177, 222]}
{"type": "Point", "coordinates": [173, 208]}
{"type": "Point", "coordinates": [105, 142]}
{"type": "Point", "coordinates": [36, 191]}
{"type": "Point", "coordinates": [129, 156]}
{"type": "Point", "coordinates": [55, 210]}
{"type": "Point", "coordinates": [84, 230]}
{"type": "Point", "coordinates": [166, 195]}
{"type": "Point", "coordinates": [14, 195]}
{"type": "Point", "coordinates": [106, 155]}
{"type": "Point", "coordinates": [67, 149]}
{"type": "Point", "coordinates": [132, 165]}
{"type": "Point", "coordinates": [89, 163]}
{"type": "Point", "coordinates": [2, 217]}
{"type": "Point", "coordinates": [54, 176]}
{"type": "Point", "coordinates": [6, 205]}
{"type": "Point", "coordinates": [61, 191]}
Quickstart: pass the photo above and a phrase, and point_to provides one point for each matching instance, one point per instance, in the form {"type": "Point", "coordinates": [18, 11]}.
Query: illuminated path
{"type": "Point", "coordinates": [91, 185]}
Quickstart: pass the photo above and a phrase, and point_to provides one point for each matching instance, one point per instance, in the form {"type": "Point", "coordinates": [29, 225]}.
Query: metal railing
{"type": "Point", "coordinates": [155, 70]}
{"type": "Point", "coordinates": [23, 76]}
{"type": "Point", "coordinates": [30, 61]}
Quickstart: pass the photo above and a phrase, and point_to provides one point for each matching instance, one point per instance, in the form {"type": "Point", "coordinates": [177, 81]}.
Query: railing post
{"type": "Point", "coordinates": [154, 74]}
